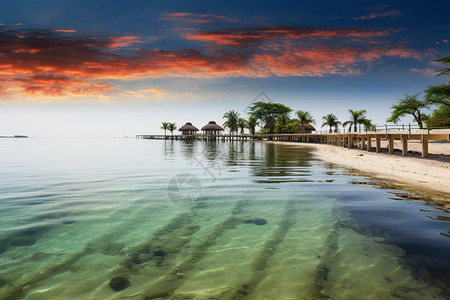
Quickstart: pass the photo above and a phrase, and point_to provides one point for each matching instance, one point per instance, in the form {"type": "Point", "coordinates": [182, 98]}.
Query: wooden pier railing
{"type": "Point", "coordinates": [349, 140]}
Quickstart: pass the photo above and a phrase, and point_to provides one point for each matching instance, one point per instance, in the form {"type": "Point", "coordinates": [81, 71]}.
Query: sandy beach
{"type": "Point", "coordinates": [430, 176]}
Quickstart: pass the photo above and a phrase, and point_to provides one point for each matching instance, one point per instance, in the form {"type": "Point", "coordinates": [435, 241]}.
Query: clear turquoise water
{"type": "Point", "coordinates": [173, 218]}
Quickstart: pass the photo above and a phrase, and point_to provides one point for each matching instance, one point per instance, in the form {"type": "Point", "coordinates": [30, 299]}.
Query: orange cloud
{"type": "Point", "coordinates": [154, 91]}
{"type": "Point", "coordinates": [53, 86]}
{"type": "Point", "coordinates": [64, 30]}
{"type": "Point", "coordinates": [51, 64]}
{"type": "Point", "coordinates": [159, 93]}
{"type": "Point", "coordinates": [238, 37]}
{"type": "Point", "coordinates": [124, 41]}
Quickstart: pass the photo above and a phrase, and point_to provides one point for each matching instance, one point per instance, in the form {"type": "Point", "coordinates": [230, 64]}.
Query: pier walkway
{"type": "Point", "coordinates": [363, 141]}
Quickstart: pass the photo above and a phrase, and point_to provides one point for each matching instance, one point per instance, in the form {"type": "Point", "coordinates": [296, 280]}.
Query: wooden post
{"type": "Point", "coordinates": [350, 142]}
{"type": "Point", "coordinates": [404, 144]}
{"type": "Point", "coordinates": [378, 145]}
{"type": "Point", "coordinates": [391, 145]}
{"type": "Point", "coordinates": [363, 143]}
{"type": "Point", "coordinates": [424, 146]}
{"type": "Point", "coordinates": [369, 144]}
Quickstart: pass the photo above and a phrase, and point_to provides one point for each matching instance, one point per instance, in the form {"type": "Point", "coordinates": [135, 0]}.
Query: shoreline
{"type": "Point", "coordinates": [413, 174]}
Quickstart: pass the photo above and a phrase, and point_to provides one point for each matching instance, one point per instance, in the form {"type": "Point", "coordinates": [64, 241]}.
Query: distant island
{"type": "Point", "coordinates": [13, 136]}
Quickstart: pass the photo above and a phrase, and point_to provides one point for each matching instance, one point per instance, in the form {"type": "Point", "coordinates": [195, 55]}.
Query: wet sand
{"type": "Point", "coordinates": [413, 173]}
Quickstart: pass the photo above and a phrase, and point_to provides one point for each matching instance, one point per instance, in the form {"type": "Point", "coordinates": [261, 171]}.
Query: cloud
{"type": "Point", "coordinates": [64, 30]}
{"type": "Point", "coordinates": [153, 91]}
{"type": "Point", "coordinates": [124, 41]}
{"type": "Point", "coordinates": [53, 86]}
{"type": "Point", "coordinates": [390, 13]}
{"type": "Point", "coordinates": [427, 72]}
{"type": "Point", "coordinates": [192, 18]}
{"type": "Point", "coordinates": [45, 63]}
{"type": "Point", "coordinates": [246, 36]}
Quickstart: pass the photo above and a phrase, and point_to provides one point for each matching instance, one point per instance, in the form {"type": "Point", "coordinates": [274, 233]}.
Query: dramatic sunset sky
{"type": "Point", "coordinates": [120, 68]}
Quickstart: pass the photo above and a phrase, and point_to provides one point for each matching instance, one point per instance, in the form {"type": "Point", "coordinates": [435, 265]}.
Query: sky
{"type": "Point", "coordinates": [120, 68]}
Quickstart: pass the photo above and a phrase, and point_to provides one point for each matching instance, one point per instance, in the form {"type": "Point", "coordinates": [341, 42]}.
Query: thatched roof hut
{"type": "Point", "coordinates": [212, 128]}
{"type": "Point", "coordinates": [188, 129]}
{"type": "Point", "coordinates": [306, 128]}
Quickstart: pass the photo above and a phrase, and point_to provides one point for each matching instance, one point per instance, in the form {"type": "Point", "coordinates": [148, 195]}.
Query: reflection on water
{"type": "Point", "coordinates": [91, 219]}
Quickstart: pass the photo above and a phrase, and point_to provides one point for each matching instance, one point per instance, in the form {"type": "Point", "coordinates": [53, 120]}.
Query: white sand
{"type": "Point", "coordinates": [428, 175]}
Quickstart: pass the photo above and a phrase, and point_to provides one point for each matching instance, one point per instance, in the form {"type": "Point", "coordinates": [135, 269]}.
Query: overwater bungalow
{"type": "Point", "coordinates": [188, 129]}
{"type": "Point", "coordinates": [212, 128]}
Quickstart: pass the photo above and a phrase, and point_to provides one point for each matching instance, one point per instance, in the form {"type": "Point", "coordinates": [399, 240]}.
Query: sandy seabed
{"type": "Point", "coordinates": [427, 175]}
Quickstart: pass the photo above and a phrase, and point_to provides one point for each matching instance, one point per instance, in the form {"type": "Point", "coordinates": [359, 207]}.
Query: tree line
{"type": "Point", "coordinates": [275, 118]}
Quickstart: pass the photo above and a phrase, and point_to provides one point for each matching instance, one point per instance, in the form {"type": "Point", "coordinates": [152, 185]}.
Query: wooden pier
{"type": "Point", "coordinates": [219, 137]}
{"type": "Point", "coordinates": [350, 140]}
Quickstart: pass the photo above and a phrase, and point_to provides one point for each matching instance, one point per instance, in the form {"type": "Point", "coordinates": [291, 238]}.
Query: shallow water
{"type": "Point", "coordinates": [177, 220]}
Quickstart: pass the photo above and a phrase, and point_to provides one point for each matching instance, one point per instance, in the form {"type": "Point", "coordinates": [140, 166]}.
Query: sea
{"type": "Point", "coordinates": [125, 218]}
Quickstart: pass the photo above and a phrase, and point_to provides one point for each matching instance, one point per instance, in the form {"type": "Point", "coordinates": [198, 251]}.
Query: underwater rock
{"type": "Point", "coordinates": [119, 283]}
{"type": "Point", "coordinates": [23, 241]}
{"type": "Point", "coordinates": [323, 273]}
{"type": "Point", "coordinates": [260, 222]}
{"type": "Point", "coordinates": [256, 221]}
{"type": "Point", "coordinates": [159, 252]}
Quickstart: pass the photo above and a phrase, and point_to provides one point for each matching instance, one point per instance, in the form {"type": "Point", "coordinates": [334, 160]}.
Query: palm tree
{"type": "Point", "coordinates": [251, 124]}
{"type": "Point", "coordinates": [232, 120]}
{"type": "Point", "coordinates": [330, 120]}
{"type": "Point", "coordinates": [242, 124]}
{"type": "Point", "coordinates": [172, 127]}
{"type": "Point", "coordinates": [304, 117]}
{"type": "Point", "coordinates": [281, 123]}
{"type": "Point", "coordinates": [292, 126]}
{"type": "Point", "coordinates": [369, 126]}
{"type": "Point", "coordinates": [356, 117]}
{"type": "Point", "coordinates": [165, 126]}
